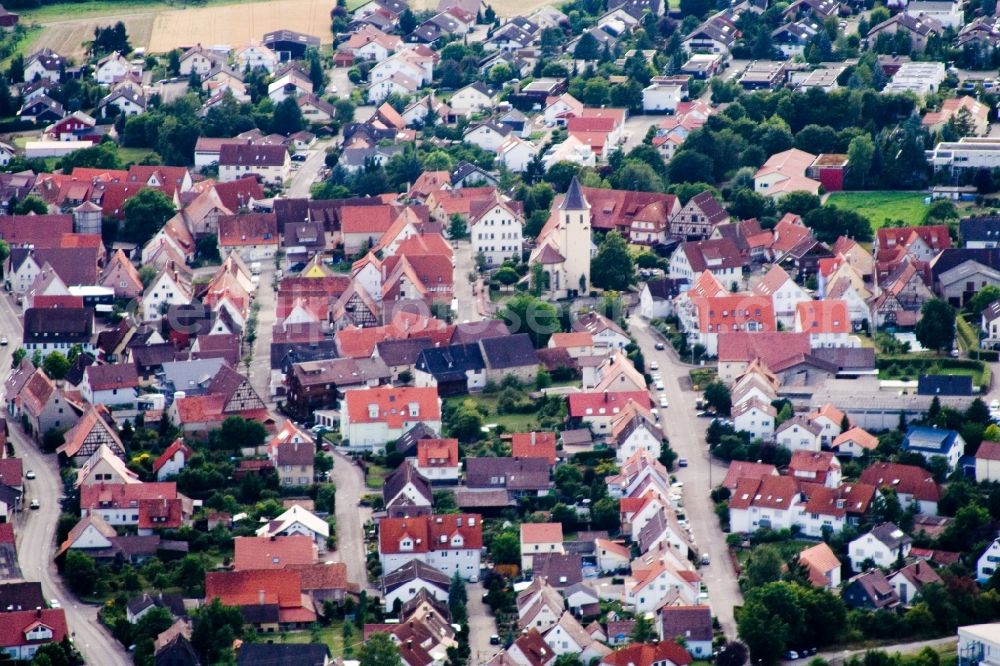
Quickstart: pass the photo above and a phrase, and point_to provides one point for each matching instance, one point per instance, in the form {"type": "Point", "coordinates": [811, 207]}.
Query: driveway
{"type": "Point", "coordinates": [36, 530]}
{"type": "Point", "coordinates": [260, 365]}
{"type": "Point", "coordinates": [351, 518]}
{"type": "Point", "coordinates": [303, 177]}
{"type": "Point", "coordinates": [686, 433]}
{"type": "Point", "coordinates": [466, 293]}
{"type": "Point", "coordinates": [481, 625]}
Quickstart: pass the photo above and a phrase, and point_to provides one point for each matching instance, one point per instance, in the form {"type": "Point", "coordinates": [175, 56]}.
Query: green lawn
{"type": "Point", "coordinates": [134, 155]}
{"type": "Point", "coordinates": [333, 636]}
{"type": "Point", "coordinates": [376, 476]}
{"type": "Point", "coordinates": [884, 208]}
{"type": "Point", "coordinates": [511, 422]}
{"type": "Point", "coordinates": [785, 548]}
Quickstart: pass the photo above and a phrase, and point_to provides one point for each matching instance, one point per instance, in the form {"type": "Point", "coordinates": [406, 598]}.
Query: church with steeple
{"type": "Point", "coordinates": [563, 247]}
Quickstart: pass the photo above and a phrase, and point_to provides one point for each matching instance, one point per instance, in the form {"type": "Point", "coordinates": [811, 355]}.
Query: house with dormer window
{"type": "Point", "coordinates": [450, 543]}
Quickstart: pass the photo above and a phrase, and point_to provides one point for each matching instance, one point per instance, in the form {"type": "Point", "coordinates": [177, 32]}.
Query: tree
{"type": "Point", "coordinates": [690, 166]}
{"type": "Point", "coordinates": [860, 154]}
{"type": "Point", "coordinates": [587, 48]}
{"type": "Point", "coordinates": [983, 297]}
{"type": "Point", "coordinates": [80, 572]}
{"type": "Point", "coordinates": [733, 653]}
{"type": "Point", "coordinates": [506, 548]}
{"type": "Point", "coordinates": [604, 514]}
{"type": "Point", "coordinates": [829, 223]}
{"type": "Point", "coordinates": [407, 22]}
{"type": "Point", "coordinates": [467, 423]}
{"type": "Point", "coordinates": [457, 227]}
{"type": "Point", "coordinates": [637, 176]}
{"type": "Point", "coordinates": [717, 395]}
{"type": "Point", "coordinates": [216, 626]}
{"type": "Point", "coordinates": [145, 214]}
{"type": "Point", "coordinates": [764, 566]}
{"type": "Point", "coordinates": [379, 650]}
{"type": "Point", "coordinates": [612, 268]}
{"type": "Point", "coordinates": [287, 117]}
{"type": "Point", "coordinates": [19, 355]}
{"type": "Point", "coordinates": [642, 630]}
{"type": "Point", "coordinates": [31, 204]}
{"type": "Point", "coordinates": [798, 203]}
{"type": "Point", "coordinates": [56, 365]}
{"type": "Point", "coordinates": [458, 598]}
{"type": "Point", "coordinates": [531, 315]}
{"type": "Point", "coordinates": [237, 432]}
{"type": "Point", "coordinates": [936, 328]}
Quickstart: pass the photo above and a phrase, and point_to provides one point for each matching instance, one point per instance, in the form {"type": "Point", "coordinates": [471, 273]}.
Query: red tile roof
{"type": "Point", "coordinates": [534, 445]}
{"type": "Point", "coordinates": [769, 492]}
{"type": "Point", "coordinates": [241, 588]}
{"type": "Point", "coordinates": [582, 405]}
{"type": "Point", "coordinates": [161, 513]}
{"type": "Point", "coordinates": [237, 194]}
{"type": "Point", "coordinates": [37, 230]}
{"type": "Point", "coordinates": [16, 624]}
{"type": "Point", "coordinates": [112, 495]}
{"type": "Point", "coordinates": [747, 470]}
{"type": "Point", "coordinates": [248, 229]}
{"type": "Point", "coordinates": [904, 479]}
{"type": "Point", "coordinates": [171, 451]}
{"type": "Point", "coordinates": [431, 533]}
{"type": "Point", "coordinates": [541, 533]}
{"type": "Point", "coordinates": [393, 405]}
{"type": "Point", "coordinates": [437, 453]}
{"type": "Point", "coordinates": [719, 314]}
{"type": "Point", "coordinates": [826, 316]}
{"type": "Point", "coordinates": [771, 347]}
{"type": "Point", "coordinates": [273, 552]}
{"type": "Point", "coordinates": [664, 652]}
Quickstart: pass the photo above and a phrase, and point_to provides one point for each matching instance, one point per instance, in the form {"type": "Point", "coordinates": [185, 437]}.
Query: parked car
{"type": "Point", "coordinates": [682, 462]}
{"type": "Point", "coordinates": [35, 504]}
{"type": "Point", "coordinates": [659, 385]}
{"type": "Point", "coordinates": [494, 640]}
{"type": "Point", "coordinates": [299, 157]}
{"type": "Point", "coordinates": [663, 401]}
{"type": "Point", "coordinates": [791, 655]}
{"type": "Point", "coordinates": [654, 366]}
{"type": "Point", "coordinates": [29, 475]}
{"type": "Point", "coordinates": [54, 603]}
{"type": "Point", "coordinates": [4, 341]}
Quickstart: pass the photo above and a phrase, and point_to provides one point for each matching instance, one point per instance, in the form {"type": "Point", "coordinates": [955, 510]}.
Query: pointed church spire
{"type": "Point", "coordinates": [574, 199]}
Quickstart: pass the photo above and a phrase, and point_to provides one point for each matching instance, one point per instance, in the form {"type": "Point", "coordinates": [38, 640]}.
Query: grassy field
{"type": "Point", "coordinates": [884, 208]}
{"type": "Point", "coordinates": [785, 548]}
{"type": "Point", "coordinates": [511, 422]}
{"type": "Point", "coordinates": [333, 636]}
{"type": "Point", "coordinates": [134, 155]}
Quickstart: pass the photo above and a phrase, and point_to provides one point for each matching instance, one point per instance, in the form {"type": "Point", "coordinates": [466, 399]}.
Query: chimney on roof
{"type": "Point", "coordinates": [260, 596]}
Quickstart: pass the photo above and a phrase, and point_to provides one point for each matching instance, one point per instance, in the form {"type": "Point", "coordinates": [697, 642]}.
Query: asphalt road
{"type": "Point", "coordinates": [465, 263]}
{"type": "Point", "coordinates": [36, 530]}
{"type": "Point", "coordinates": [835, 657]}
{"type": "Point", "coordinates": [686, 433]}
{"type": "Point", "coordinates": [481, 626]}
{"type": "Point", "coordinates": [260, 363]}
{"type": "Point", "coordinates": [305, 175]}
{"type": "Point", "coordinates": [351, 517]}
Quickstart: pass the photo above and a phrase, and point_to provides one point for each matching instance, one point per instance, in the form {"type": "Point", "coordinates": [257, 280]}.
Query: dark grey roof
{"type": "Point", "coordinates": [846, 358]}
{"type": "Point", "coordinates": [411, 571]}
{"type": "Point", "coordinates": [21, 595]}
{"type": "Point", "coordinates": [406, 473]}
{"type": "Point", "coordinates": [282, 654]}
{"type": "Point", "coordinates": [560, 570]}
{"type": "Point", "coordinates": [890, 535]}
{"type": "Point", "coordinates": [664, 289]}
{"type": "Point", "coordinates": [452, 362]}
{"type": "Point", "coordinates": [652, 530]}
{"type": "Point", "coordinates": [513, 351]}
{"type": "Point", "coordinates": [403, 351]}
{"type": "Point", "coordinates": [172, 602]}
{"type": "Point", "coordinates": [474, 331]}
{"type": "Point", "coordinates": [944, 385]}
{"type": "Point", "coordinates": [47, 325]}
{"type": "Point", "coordinates": [692, 623]}
{"type": "Point", "coordinates": [260, 613]}
{"type": "Point", "coordinates": [509, 473]}
{"type": "Point", "coordinates": [981, 228]}
{"type": "Point", "coordinates": [407, 444]}
{"type": "Point", "coordinates": [574, 199]}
